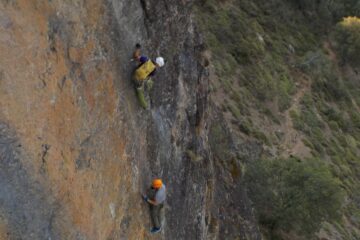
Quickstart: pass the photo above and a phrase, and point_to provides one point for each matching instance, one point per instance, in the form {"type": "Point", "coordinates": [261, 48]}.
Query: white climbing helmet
{"type": "Point", "coordinates": [160, 61]}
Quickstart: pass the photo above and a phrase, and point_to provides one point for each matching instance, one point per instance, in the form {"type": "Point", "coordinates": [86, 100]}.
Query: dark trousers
{"type": "Point", "coordinates": [155, 212]}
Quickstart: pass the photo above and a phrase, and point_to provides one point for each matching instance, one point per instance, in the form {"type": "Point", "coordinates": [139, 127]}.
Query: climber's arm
{"type": "Point", "coordinates": [148, 200]}
{"type": "Point", "coordinates": [137, 53]}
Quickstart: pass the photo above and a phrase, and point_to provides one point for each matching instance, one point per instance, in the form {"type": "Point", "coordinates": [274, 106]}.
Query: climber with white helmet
{"type": "Point", "coordinates": [146, 67]}
{"type": "Point", "coordinates": [156, 198]}
{"type": "Point", "coordinates": [143, 73]}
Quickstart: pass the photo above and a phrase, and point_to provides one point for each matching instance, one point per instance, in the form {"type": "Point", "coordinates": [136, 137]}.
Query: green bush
{"type": "Point", "coordinates": [293, 195]}
{"type": "Point", "coordinates": [347, 35]}
{"type": "Point", "coordinates": [286, 88]}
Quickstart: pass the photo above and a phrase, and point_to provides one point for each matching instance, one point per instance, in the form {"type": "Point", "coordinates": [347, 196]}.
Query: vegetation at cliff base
{"type": "Point", "coordinates": [293, 194]}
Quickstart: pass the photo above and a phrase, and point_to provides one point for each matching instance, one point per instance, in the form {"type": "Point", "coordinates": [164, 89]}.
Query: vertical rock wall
{"type": "Point", "coordinates": [76, 148]}
{"type": "Point", "coordinates": [64, 100]}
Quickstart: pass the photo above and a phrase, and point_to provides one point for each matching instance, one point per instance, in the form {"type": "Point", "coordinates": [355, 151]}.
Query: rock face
{"type": "Point", "coordinates": [76, 149]}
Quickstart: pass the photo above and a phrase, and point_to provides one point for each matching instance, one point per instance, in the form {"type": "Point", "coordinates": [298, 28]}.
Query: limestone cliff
{"type": "Point", "coordinates": [77, 149]}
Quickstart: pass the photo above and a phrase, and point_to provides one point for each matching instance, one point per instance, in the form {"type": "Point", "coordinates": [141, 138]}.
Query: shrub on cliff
{"type": "Point", "coordinates": [293, 195]}
{"type": "Point", "coordinates": [347, 35]}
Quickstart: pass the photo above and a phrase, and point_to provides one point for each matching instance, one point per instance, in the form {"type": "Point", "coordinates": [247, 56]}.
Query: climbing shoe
{"type": "Point", "coordinates": [155, 230]}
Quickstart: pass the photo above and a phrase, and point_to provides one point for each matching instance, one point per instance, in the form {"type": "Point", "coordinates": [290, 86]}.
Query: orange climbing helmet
{"type": "Point", "coordinates": [157, 183]}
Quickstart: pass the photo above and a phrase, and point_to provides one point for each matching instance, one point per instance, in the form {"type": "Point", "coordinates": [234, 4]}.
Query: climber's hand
{"type": "Point", "coordinates": [145, 198]}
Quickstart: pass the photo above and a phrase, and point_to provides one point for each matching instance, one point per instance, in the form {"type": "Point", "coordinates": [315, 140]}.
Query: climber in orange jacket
{"type": "Point", "coordinates": [156, 198]}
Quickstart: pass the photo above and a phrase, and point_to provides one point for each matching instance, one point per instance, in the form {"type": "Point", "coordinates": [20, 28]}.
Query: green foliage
{"type": "Point", "coordinates": [297, 121]}
{"type": "Point", "coordinates": [235, 111]}
{"type": "Point", "coordinates": [326, 80]}
{"type": "Point", "coordinates": [315, 63]}
{"type": "Point", "coordinates": [246, 126]}
{"type": "Point", "coordinates": [293, 195]}
{"type": "Point", "coordinates": [286, 89]}
{"type": "Point", "coordinates": [323, 13]}
{"type": "Point", "coordinates": [347, 35]}
{"type": "Point", "coordinates": [260, 50]}
{"type": "Point", "coordinates": [308, 121]}
{"type": "Point", "coordinates": [333, 116]}
{"type": "Point", "coordinates": [272, 115]}
{"type": "Point", "coordinates": [260, 83]}
{"type": "Point", "coordinates": [331, 87]}
{"type": "Point", "coordinates": [249, 50]}
{"type": "Point", "coordinates": [355, 118]}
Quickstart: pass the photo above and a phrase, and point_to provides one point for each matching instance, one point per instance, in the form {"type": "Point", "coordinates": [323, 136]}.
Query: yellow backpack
{"type": "Point", "coordinates": [144, 70]}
